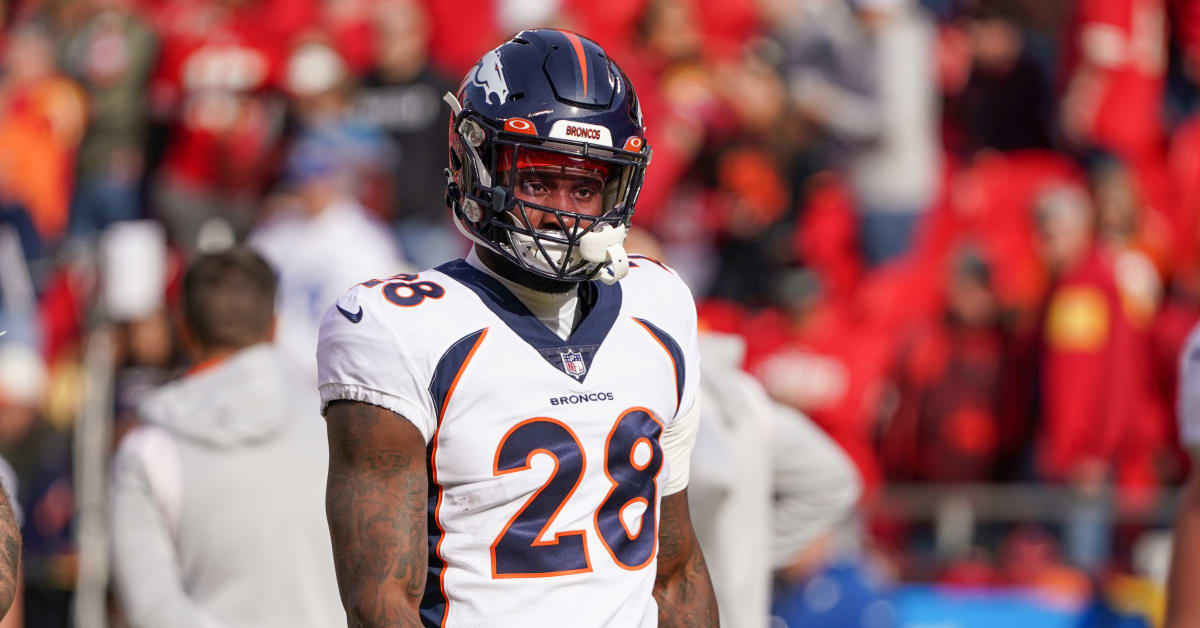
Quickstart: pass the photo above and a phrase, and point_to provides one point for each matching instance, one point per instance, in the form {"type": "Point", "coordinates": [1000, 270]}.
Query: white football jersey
{"type": "Point", "coordinates": [545, 461]}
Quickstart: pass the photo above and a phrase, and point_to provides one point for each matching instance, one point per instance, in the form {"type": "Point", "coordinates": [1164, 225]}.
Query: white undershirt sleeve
{"type": "Point", "coordinates": [677, 441]}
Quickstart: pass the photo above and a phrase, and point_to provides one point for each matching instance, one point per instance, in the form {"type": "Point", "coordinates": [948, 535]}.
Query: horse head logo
{"type": "Point", "coordinates": [489, 75]}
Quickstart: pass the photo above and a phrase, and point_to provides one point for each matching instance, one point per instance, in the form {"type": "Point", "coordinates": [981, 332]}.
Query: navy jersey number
{"type": "Point", "coordinates": [633, 458]}
{"type": "Point", "coordinates": [405, 291]}
{"type": "Point", "coordinates": [517, 551]}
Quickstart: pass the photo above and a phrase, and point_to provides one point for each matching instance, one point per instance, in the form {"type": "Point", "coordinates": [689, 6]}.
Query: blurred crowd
{"type": "Point", "coordinates": [963, 236]}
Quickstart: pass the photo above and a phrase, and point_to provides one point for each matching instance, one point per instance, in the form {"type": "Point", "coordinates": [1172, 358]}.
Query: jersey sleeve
{"type": "Point", "coordinates": [690, 345]}
{"type": "Point", "coordinates": [679, 436]}
{"type": "Point", "coordinates": [361, 356]}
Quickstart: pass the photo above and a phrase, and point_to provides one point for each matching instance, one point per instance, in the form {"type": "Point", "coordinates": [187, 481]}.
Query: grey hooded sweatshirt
{"type": "Point", "coordinates": [217, 503]}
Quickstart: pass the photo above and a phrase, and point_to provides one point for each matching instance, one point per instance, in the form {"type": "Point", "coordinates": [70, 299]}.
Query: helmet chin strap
{"type": "Point", "coordinates": [604, 246]}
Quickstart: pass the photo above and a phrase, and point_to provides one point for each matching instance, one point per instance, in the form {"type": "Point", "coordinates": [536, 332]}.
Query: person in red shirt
{"type": "Point", "coordinates": [1091, 371]}
{"type": "Point", "coordinates": [219, 63]}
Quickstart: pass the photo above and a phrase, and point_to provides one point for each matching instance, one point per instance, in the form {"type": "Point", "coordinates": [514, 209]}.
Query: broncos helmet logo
{"type": "Point", "coordinates": [489, 75]}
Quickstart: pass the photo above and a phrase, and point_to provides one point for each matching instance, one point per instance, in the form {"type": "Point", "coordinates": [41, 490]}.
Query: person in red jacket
{"type": "Point", "coordinates": [1082, 337]}
{"type": "Point", "coordinates": [1091, 378]}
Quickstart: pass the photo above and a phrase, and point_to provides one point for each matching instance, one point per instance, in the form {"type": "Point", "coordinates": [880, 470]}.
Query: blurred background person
{"type": "Point", "coordinates": [402, 95]}
{"type": "Point", "coordinates": [320, 107]}
{"type": "Point", "coordinates": [111, 53]}
{"type": "Point", "coordinates": [997, 95]}
{"type": "Point", "coordinates": [1092, 380]}
{"type": "Point", "coordinates": [949, 383]}
{"type": "Point", "coordinates": [213, 96]}
{"type": "Point", "coordinates": [320, 239]}
{"type": "Point", "coordinates": [863, 71]}
{"type": "Point", "coordinates": [217, 500]}
{"type": "Point", "coordinates": [41, 124]}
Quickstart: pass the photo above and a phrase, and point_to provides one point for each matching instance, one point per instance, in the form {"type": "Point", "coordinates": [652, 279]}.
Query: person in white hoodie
{"type": "Point", "coordinates": [217, 500]}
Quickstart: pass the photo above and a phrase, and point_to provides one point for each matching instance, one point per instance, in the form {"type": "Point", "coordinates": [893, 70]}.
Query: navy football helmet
{"type": "Point", "coordinates": [547, 100]}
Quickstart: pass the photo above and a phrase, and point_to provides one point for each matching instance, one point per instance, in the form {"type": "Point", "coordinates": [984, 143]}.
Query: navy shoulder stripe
{"type": "Point", "coordinates": [672, 348]}
{"type": "Point", "coordinates": [450, 367]}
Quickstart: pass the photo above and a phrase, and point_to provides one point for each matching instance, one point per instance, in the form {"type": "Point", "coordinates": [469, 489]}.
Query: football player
{"type": "Point", "coordinates": [510, 433]}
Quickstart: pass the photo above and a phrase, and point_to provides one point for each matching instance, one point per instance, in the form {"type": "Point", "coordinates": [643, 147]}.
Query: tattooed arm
{"type": "Point", "coordinates": [10, 553]}
{"type": "Point", "coordinates": [682, 588]}
{"type": "Point", "coordinates": [376, 504]}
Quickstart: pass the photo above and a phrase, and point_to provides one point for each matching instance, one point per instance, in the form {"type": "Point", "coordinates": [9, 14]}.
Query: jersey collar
{"type": "Point", "coordinates": [564, 355]}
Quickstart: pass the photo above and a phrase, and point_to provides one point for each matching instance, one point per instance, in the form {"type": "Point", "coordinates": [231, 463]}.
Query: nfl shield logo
{"type": "Point", "coordinates": [573, 363]}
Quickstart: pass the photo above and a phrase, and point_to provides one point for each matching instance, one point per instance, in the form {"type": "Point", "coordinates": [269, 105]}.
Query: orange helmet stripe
{"type": "Point", "coordinates": [578, 45]}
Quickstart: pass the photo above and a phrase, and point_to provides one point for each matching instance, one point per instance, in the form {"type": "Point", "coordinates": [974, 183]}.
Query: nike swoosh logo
{"type": "Point", "coordinates": [353, 317]}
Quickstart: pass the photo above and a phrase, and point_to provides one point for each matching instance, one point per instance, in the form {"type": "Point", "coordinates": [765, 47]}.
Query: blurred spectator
{"type": "Point", "coordinates": [864, 72]}
{"type": "Point", "coordinates": [997, 96]}
{"type": "Point", "coordinates": [402, 94]}
{"type": "Point", "coordinates": [318, 81]}
{"type": "Point", "coordinates": [829, 358]}
{"type": "Point", "coordinates": [321, 240]}
{"type": "Point", "coordinates": [212, 86]}
{"type": "Point", "coordinates": [42, 117]}
{"type": "Point", "coordinates": [217, 501]}
{"type": "Point", "coordinates": [1115, 60]}
{"type": "Point", "coordinates": [1091, 378]}
{"type": "Point", "coordinates": [760, 168]}
{"type": "Point", "coordinates": [111, 54]}
{"type": "Point", "coordinates": [948, 378]}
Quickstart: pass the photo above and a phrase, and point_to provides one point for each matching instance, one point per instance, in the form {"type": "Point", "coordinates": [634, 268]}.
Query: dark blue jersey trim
{"type": "Point", "coordinates": [449, 368]}
{"type": "Point", "coordinates": [585, 340]}
{"type": "Point", "coordinates": [675, 352]}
